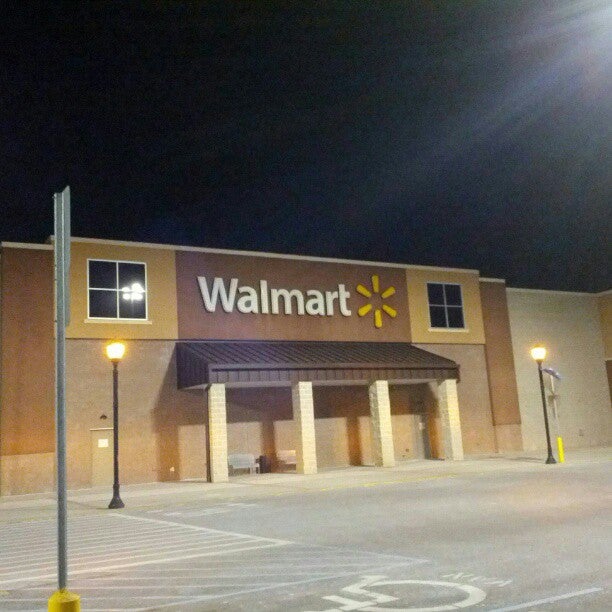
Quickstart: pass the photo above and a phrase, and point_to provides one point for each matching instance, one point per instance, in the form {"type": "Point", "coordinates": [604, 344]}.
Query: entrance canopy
{"type": "Point", "coordinates": [272, 363]}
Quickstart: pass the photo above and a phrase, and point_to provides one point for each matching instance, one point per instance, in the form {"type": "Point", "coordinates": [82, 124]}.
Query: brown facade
{"type": "Point", "coordinates": [28, 354]}
{"type": "Point", "coordinates": [163, 429]}
{"type": "Point", "coordinates": [195, 322]}
{"type": "Point", "coordinates": [500, 366]}
{"type": "Point", "coordinates": [27, 421]}
{"type": "Point", "coordinates": [604, 304]}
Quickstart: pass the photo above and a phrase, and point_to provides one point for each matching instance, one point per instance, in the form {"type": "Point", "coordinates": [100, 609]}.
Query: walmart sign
{"type": "Point", "coordinates": [265, 300]}
{"type": "Point", "coordinates": [233, 296]}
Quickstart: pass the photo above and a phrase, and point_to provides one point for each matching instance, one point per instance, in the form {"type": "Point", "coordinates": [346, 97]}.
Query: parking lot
{"type": "Point", "coordinates": [486, 534]}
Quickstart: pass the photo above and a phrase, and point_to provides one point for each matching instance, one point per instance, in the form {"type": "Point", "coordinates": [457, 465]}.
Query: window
{"type": "Point", "coordinates": [117, 289]}
{"type": "Point", "coordinates": [445, 306]}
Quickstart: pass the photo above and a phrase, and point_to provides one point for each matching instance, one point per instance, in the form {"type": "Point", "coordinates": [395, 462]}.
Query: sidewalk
{"type": "Point", "coordinates": [141, 496]}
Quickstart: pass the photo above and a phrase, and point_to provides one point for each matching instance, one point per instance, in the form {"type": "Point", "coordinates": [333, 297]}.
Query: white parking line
{"type": "Point", "coordinates": [107, 543]}
{"type": "Point", "coordinates": [117, 566]}
{"type": "Point", "coordinates": [110, 557]}
{"type": "Point", "coordinates": [126, 570]}
{"type": "Point", "coordinates": [82, 551]}
{"type": "Point", "coordinates": [539, 602]}
{"type": "Point", "coordinates": [197, 528]}
{"type": "Point", "coordinates": [140, 569]}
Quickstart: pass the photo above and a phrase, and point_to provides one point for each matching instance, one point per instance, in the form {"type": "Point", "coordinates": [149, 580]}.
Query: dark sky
{"type": "Point", "coordinates": [455, 133]}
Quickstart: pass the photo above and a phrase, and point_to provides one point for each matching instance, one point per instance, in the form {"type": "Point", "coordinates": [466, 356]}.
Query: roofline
{"type": "Point", "coordinates": [173, 247]}
{"type": "Point", "coordinates": [152, 245]}
{"type": "Point", "coordinates": [26, 245]}
{"type": "Point", "coordinates": [555, 291]}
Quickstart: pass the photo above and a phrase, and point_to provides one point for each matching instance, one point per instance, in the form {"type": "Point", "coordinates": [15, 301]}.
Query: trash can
{"type": "Point", "coordinates": [265, 466]}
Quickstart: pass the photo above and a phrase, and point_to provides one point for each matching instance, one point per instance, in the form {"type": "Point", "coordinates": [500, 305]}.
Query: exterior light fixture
{"type": "Point", "coordinates": [538, 353]}
{"type": "Point", "coordinates": [115, 352]}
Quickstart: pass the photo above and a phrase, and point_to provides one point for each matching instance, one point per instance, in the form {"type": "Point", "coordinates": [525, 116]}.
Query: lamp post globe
{"type": "Point", "coordinates": [538, 354]}
{"type": "Point", "coordinates": [115, 352]}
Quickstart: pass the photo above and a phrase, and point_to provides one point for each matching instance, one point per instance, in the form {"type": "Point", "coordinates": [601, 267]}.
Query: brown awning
{"type": "Point", "coordinates": [261, 363]}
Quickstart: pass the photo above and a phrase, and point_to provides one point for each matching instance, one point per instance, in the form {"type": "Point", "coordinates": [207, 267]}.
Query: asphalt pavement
{"type": "Point", "coordinates": [487, 533]}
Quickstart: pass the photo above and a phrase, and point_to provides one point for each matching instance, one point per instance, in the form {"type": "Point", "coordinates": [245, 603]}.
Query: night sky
{"type": "Point", "coordinates": [452, 133]}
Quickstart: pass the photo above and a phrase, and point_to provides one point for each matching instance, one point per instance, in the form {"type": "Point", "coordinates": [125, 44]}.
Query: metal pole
{"type": "Point", "coordinates": [550, 458]}
{"type": "Point", "coordinates": [62, 233]}
{"type": "Point", "coordinates": [62, 600]}
{"type": "Point", "coordinates": [116, 501]}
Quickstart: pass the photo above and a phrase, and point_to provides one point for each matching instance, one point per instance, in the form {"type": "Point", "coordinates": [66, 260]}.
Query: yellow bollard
{"type": "Point", "coordinates": [64, 601]}
{"type": "Point", "coordinates": [560, 447]}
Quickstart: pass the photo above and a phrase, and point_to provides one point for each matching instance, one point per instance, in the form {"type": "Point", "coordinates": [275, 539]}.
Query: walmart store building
{"type": "Point", "coordinates": [339, 362]}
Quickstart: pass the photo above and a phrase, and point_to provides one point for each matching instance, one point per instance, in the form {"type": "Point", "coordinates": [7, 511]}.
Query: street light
{"type": "Point", "coordinates": [115, 352]}
{"type": "Point", "coordinates": [538, 353]}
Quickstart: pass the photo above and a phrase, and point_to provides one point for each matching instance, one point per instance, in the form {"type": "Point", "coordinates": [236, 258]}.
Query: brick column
{"type": "Point", "coordinates": [448, 404]}
{"type": "Point", "coordinates": [382, 432]}
{"type": "Point", "coordinates": [217, 433]}
{"type": "Point", "coordinates": [303, 419]}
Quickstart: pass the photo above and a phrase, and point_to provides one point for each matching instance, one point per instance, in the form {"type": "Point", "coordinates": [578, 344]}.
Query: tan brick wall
{"type": "Point", "coordinates": [162, 431]}
{"type": "Point", "coordinates": [32, 473]}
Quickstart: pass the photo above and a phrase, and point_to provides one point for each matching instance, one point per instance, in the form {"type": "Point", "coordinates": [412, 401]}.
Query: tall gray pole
{"type": "Point", "coordinates": [62, 600]}
{"type": "Point", "coordinates": [62, 266]}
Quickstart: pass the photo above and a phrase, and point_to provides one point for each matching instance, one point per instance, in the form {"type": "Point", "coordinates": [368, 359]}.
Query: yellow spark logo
{"type": "Point", "coordinates": [375, 290]}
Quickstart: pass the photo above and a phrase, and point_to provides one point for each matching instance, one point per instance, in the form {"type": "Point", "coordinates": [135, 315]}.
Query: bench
{"type": "Point", "coordinates": [286, 458]}
{"type": "Point", "coordinates": [242, 461]}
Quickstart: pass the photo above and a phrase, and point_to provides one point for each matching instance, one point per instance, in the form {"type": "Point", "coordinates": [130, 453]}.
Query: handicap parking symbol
{"type": "Point", "coordinates": [371, 601]}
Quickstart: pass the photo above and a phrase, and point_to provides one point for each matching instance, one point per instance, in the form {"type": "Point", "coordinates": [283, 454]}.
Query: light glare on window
{"type": "Point", "coordinates": [134, 293]}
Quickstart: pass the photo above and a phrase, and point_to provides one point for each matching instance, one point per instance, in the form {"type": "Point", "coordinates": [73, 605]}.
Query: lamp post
{"type": "Point", "coordinates": [538, 353]}
{"type": "Point", "coordinates": [115, 352]}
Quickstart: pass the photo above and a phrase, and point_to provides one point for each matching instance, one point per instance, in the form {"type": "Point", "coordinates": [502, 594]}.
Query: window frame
{"type": "Point", "coordinates": [118, 291]}
{"type": "Point", "coordinates": [446, 307]}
